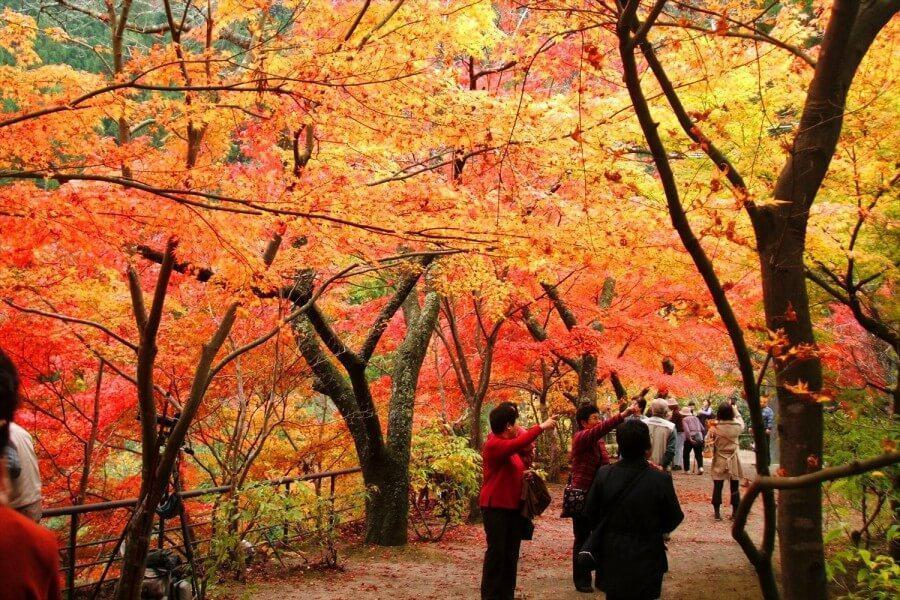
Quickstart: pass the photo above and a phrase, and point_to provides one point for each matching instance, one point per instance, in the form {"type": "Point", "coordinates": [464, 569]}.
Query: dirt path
{"type": "Point", "coordinates": [705, 562]}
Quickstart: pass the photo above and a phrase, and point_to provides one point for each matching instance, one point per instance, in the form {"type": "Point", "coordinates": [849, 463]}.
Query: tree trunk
{"type": "Point", "coordinates": [780, 237]}
{"type": "Point", "coordinates": [587, 379]}
{"type": "Point", "coordinates": [800, 427]}
{"type": "Point", "coordinates": [387, 506]}
{"type": "Point", "coordinates": [137, 544]}
{"type": "Point", "coordinates": [548, 445]}
{"type": "Point", "coordinates": [476, 438]}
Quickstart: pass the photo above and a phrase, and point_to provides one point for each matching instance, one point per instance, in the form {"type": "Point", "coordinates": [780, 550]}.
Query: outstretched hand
{"type": "Point", "coordinates": [548, 424]}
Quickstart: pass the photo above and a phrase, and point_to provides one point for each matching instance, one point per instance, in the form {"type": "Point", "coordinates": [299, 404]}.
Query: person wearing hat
{"type": "Point", "coordinates": [662, 433]}
{"type": "Point", "coordinates": [676, 417]}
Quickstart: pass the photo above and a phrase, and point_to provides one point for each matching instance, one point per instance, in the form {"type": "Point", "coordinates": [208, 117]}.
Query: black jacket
{"type": "Point", "coordinates": [630, 550]}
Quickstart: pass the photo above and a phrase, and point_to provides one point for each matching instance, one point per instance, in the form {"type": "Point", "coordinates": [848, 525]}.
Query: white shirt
{"type": "Point", "coordinates": [26, 488]}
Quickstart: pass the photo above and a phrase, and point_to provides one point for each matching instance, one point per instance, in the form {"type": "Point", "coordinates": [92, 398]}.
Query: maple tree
{"type": "Point", "coordinates": [779, 228]}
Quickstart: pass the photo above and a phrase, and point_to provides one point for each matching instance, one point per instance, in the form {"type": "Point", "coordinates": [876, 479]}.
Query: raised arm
{"type": "Point", "coordinates": [499, 448]}
{"type": "Point", "coordinates": [589, 437]}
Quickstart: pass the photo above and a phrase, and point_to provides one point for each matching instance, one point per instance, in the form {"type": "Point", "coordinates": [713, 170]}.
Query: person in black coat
{"type": "Point", "coordinates": [630, 506]}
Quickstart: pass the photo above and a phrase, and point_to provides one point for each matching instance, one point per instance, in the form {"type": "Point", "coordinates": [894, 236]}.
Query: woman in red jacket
{"type": "Point", "coordinates": [589, 454]}
{"type": "Point", "coordinates": [501, 497]}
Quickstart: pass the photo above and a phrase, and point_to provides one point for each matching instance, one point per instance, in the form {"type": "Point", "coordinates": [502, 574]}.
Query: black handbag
{"type": "Point", "coordinates": [573, 501]}
{"type": "Point", "coordinates": [527, 532]}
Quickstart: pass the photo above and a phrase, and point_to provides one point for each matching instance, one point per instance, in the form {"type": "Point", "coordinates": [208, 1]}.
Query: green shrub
{"type": "Point", "coordinates": [877, 577]}
{"type": "Point", "coordinates": [444, 475]}
{"type": "Point", "coordinates": [271, 518]}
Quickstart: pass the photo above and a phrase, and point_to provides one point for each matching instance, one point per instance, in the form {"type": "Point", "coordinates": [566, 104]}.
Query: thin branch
{"type": "Point", "coordinates": [68, 319]}
{"type": "Point", "coordinates": [641, 34]}
{"type": "Point", "coordinates": [756, 37]}
{"type": "Point", "coordinates": [396, 6]}
{"type": "Point", "coordinates": [356, 21]}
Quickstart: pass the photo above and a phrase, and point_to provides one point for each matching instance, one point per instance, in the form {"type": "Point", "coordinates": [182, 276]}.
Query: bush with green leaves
{"type": "Point", "coordinates": [861, 504]}
{"type": "Point", "coordinates": [864, 575]}
{"type": "Point", "coordinates": [444, 475]}
{"type": "Point", "coordinates": [858, 509]}
{"type": "Point", "coordinates": [273, 519]}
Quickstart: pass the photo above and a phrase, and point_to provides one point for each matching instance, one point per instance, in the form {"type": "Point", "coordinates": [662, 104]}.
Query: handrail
{"type": "Point", "coordinates": [70, 565]}
{"type": "Point", "coordinates": [77, 509]}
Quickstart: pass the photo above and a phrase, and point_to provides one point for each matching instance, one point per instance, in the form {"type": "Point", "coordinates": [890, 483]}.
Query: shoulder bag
{"type": "Point", "coordinates": [573, 501]}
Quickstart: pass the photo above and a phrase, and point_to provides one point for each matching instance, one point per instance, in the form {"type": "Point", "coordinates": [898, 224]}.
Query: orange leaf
{"type": "Point", "coordinates": [790, 315]}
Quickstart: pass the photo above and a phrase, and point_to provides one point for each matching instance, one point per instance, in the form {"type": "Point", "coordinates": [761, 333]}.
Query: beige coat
{"type": "Point", "coordinates": [661, 432]}
{"type": "Point", "coordinates": [726, 462]}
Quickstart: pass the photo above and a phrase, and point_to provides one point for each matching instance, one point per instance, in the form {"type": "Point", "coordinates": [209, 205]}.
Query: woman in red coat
{"type": "Point", "coordinates": [589, 454]}
{"type": "Point", "coordinates": [501, 497]}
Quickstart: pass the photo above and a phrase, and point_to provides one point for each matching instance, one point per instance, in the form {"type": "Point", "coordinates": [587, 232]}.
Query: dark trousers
{"type": "Point", "coordinates": [581, 577]}
{"type": "Point", "coordinates": [503, 529]}
{"type": "Point", "coordinates": [718, 484]}
{"type": "Point", "coordinates": [698, 455]}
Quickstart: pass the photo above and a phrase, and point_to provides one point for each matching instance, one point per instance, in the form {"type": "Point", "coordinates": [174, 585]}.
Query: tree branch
{"type": "Point", "coordinates": [146, 359]}
{"type": "Point", "coordinates": [351, 361]}
{"type": "Point", "coordinates": [640, 34]}
{"type": "Point", "coordinates": [405, 287]}
{"type": "Point", "coordinates": [202, 274]}
{"type": "Point", "coordinates": [68, 319]}
{"type": "Point", "coordinates": [567, 316]}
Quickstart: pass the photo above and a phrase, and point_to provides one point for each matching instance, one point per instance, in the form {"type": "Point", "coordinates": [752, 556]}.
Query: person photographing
{"type": "Point", "coordinates": [501, 496]}
{"type": "Point", "coordinates": [589, 453]}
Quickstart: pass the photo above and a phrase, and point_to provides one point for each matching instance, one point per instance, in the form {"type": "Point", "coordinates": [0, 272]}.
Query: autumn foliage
{"type": "Point", "coordinates": [320, 156]}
